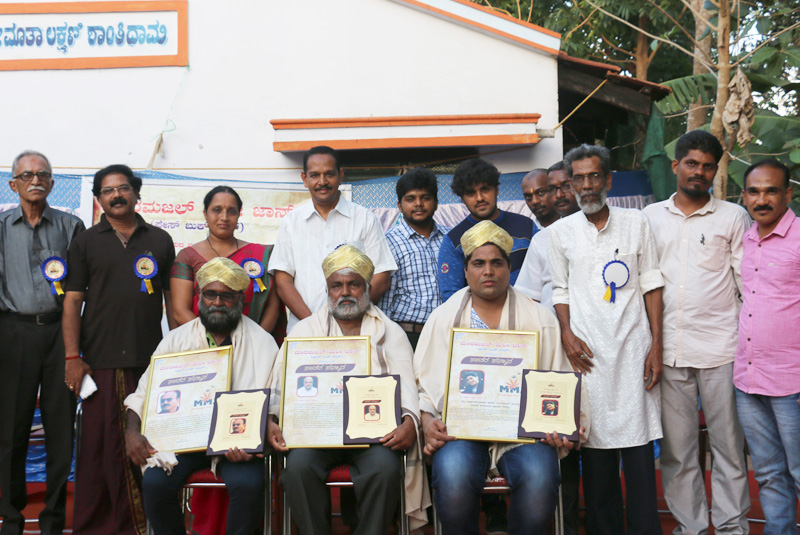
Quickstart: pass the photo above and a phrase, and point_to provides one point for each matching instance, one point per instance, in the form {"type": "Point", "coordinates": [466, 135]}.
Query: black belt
{"type": "Point", "coordinates": [414, 328]}
{"type": "Point", "coordinates": [39, 319]}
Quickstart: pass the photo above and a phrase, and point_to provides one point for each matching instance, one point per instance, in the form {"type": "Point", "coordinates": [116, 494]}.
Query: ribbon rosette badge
{"type": "Point", "coordinates": [615, 275]}
{"type": "Point", "coordinates": [54, 270]}
{"type": "Point", "coordinates": [254, 270]}
{"type": "Point", "coordinates": [146, 268]}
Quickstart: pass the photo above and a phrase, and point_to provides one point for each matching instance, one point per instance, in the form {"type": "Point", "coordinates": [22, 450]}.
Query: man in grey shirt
{"type": "Point", "coordinates": [34, 240]}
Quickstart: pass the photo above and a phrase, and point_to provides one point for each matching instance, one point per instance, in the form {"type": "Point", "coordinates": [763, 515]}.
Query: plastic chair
{"type": "Point", "coordinates": [205, 479]}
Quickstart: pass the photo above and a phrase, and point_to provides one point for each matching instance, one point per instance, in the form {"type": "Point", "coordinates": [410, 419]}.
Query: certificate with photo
{"type": "Point", "coordinates": [313, 387]}
{"type": "Point", "coordinates": [180, 397]}
{"type": "Point", "coordinates": [551, 401]}
{"type": "Point", "coordinates": [484, 380]}
{"type": "Point", "coordinates": [239, 421]}
{"type": "Point", "coordinates": [371, 407]}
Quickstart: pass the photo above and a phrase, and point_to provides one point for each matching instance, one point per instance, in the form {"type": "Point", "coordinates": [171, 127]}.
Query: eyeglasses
{"type": "Point", "coordinates": [27, 176]}
{"type": "Point", "coordinates": [595, 178]}
{"type": "Point", "coordinates": [227, 297]}
{"type": "Point", "coordinates": [565, 189]}
{"type": "Point", "coordinates": [123, 189]}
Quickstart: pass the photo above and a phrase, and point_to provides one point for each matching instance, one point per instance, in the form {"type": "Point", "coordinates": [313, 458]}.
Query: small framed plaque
{"type": "Point", "coordinates": [239, 421]}
{"type": "Point", "coordinates": [551, 401]}
{"type": "Point", "coordinates": [371, 407]}
{"type": "Point", "coordinates": [484, 382]}
{"type": "Point", "coordinates": [180, 397]}
{"type": "Point", "coordinates": [313, 388]}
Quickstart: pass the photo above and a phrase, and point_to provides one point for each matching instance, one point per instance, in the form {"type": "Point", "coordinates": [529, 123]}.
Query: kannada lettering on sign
{"type": "Point", "coordinates": [90, 35]}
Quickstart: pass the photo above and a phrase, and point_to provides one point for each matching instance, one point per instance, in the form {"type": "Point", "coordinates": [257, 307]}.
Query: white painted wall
{"type": "Point", "coordinates": [252, 61]}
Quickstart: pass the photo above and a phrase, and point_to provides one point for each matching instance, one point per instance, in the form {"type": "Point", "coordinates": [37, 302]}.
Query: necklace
{"type": "Point", "coordinates": [215, 251]}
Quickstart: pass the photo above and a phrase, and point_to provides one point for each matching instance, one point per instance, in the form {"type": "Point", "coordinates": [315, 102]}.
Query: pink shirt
{"type": "Point", "coordinates": [768, 356]}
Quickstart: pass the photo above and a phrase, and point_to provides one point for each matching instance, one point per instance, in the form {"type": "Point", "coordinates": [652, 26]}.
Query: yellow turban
{"type": "Point", "coordinates": [483, 233]}
{"type": "Point", "coordinates": [223, 270]}
{"type": "Point", "coordinates": [347, 256]}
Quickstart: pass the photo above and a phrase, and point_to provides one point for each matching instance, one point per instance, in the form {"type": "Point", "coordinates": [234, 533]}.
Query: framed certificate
{"type": "Point", "coordinates": [484, 382]}
{"type": "Point", "coordinates": [239, 421]}
{"type": "Point", "coordinates": [551, 401]}
{"type": "Point", "coordinates": [371, 407]}
{"type": "Point", "coordinates": [313, 387]}
{"type": "Point", "coordinates": [180, 397]}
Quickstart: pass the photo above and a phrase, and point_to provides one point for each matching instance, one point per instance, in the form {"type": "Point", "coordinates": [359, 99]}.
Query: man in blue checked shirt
{"type": "Point", "coordinates": [414, 242]}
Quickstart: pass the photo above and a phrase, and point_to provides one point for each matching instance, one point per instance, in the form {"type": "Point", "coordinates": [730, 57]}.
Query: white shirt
{"type": "Point", "coordinates": [534, 278]}
{"type": "Point", "coordinates": [624, 413]}
{"type": "Point", "coordinates": [700, 257]}
{"type": "Point", "coordinates": [305, 239]}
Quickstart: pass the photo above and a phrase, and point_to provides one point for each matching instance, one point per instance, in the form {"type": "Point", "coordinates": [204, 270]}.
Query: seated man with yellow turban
{"type": "Point", "coordinates": [376, 470]}
{"type": "Point", "coordinates": [222, 283]}
{"type": "Point", "coordinates": [460, 466]}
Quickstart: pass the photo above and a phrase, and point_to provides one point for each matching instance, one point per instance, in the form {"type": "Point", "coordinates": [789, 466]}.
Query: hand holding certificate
{"type": "Point", "coordinates": [551, 402]}
{"type": "Point", "coordinates": [180, 397]}
{"type": "Point", "coordinates": [482, 399]}
{"type": "Point", "coordinates": [371, 408]}
{"type": "Point", "coordinates": [313, 387]}
{"type": "Point", "coordinates": [239, 421]}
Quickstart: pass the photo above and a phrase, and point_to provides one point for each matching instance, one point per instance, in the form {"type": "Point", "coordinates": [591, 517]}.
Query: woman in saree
{"type": "Point", "coordinates": [221, 208]}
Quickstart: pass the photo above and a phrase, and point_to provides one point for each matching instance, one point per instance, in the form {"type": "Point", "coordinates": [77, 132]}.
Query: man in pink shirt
{"type": "Point", "coordinates": [766, 372]}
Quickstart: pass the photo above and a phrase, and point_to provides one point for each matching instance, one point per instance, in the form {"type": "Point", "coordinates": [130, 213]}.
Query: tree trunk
{"type": "Point", "coordinates": [697, 115]}
{"type": "Point", "coordinates": [641, 54]}
{"type": "Point", "coordinates": [724, 77]}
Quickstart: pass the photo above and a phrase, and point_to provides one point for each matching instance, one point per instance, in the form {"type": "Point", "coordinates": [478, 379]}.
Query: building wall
{"type": "Point", "coordinates": [251, 61]}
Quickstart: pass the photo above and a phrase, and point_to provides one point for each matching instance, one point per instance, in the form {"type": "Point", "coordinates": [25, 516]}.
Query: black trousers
{"type": "Point", "coordinates": [603, 492]}
{"type": "Point", "coordinates": [32, 355]}
{"type": "Point", "coordinates": [376, 473]}
{"type": "Point", "coordinates": [570, 483]}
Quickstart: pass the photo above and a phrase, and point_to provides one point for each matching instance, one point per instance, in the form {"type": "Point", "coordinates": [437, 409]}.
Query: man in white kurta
{"type": "Point", "coordinates": [607, 295]}
{"type": "Point", "coordinates": [311, 231]}
{"type": "Point", "coordinates": [376, 470]}
{"type": "Point", "coordinates": [460, 466]}
{"type": "Point", "coordinates": [254, 352]}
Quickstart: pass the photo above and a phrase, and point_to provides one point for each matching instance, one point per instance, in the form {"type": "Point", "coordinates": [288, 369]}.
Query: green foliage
{"type": "Point", "coordinates": [686, 91]}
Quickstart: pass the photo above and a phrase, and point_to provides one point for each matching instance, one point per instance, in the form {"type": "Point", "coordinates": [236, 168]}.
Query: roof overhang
{"type": "Point", "coordinates": [405, 132]}
{"type": "Point", "coordinates": [490, 22]}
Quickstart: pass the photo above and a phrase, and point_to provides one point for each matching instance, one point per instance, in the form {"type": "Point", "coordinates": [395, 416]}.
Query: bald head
{"type": "Point", "coordinates": [538, 198]}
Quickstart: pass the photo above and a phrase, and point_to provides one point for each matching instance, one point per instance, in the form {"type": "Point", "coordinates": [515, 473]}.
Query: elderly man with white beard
{"type": "Point", "coordinates": [376, 470]}
{"type": "Point", "coordinates": [607, 295]}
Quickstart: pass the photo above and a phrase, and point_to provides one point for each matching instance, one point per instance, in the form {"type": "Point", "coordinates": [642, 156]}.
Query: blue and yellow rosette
{"type": "Point", "coordinates": [615, 275]}
{"type": "Point", "coordinates": [255, 270]}
{"type": "Point", "coordinates": [54, 270]}
{"type": "Point", "coordinates": [145, 267]}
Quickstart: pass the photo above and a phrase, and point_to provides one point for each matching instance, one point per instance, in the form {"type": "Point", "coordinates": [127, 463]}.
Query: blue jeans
{"type": "Point", "coordinates": [772, 429]}
{"type": "Point", "coordinates": [459, 473]}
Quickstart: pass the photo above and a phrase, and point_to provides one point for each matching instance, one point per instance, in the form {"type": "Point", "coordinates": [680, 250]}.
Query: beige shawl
{"type": "Point", "coordinates": [520, 313]}
{"type": "Point", "coordinates": [391, 353]}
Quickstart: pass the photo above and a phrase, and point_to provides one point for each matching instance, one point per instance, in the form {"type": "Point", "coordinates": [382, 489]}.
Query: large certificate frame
{"type": "Point", "coordinates": [484, 382]}
{"type": "Point", "coordinates": [193, 378]}
{"type": "Point", "coordinates": [312, 391]}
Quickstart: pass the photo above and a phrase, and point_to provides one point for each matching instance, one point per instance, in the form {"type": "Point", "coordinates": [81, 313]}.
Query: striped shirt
{"type": "Point", "coordinates": [414, 291]}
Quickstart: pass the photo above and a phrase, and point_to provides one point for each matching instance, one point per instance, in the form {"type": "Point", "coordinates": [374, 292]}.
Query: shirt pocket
{"type": "Point", "coordinates": [631, 261]}
{"type": "Point", "coordinates": [715, 255]}
{"type": "Point", "coordinates": [782, 277]}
